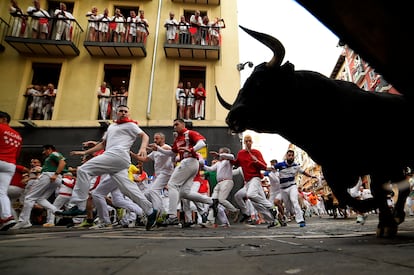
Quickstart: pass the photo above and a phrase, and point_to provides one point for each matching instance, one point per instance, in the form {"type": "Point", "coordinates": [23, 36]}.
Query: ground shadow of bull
{"type": "Point", "coordinates": [354, 133]}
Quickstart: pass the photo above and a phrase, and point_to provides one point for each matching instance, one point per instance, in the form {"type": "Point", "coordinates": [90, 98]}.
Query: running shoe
{"type": "Point", "coordinates": [22, 225]}
{"type": "Point", "coordinates": [73, 212]}
{"type": "Point", "coordinates": [275, 223]}
{"type": "Point", "coordinates": [6, 224]}
{"type": "Point", "coordinates": [101, 226]}
{"type": "Point", "coordinates": [152, 220]}
{"type": "Point", "coordinates": [171, 221]}
{"type": "Point", "coordinates": [48, 224]}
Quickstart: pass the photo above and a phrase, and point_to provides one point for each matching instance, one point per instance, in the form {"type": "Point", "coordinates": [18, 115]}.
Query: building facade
{"type": "Point", "coordinates": [76, 49]}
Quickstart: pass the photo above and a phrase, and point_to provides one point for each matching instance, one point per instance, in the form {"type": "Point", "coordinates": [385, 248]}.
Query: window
{"type": "Point", "coordinates": [194, 75]}
{"type": "Point", "coordinates": [45, 80]}
{"type": "Point", "coordinates": [117, 79]}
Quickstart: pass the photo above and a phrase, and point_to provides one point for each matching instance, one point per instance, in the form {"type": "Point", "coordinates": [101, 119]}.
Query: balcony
{"type": "Point", "coordinates": [61, 40]}
{"type": "Point", "coordinates": [204, 2]}
{"type": "Point", "coordinates": [115, 42]}
{"type": "Point", "coordinates": [194, 44]}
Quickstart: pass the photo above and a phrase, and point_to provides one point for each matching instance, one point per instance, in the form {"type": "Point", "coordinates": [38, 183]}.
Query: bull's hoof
{"type": "Point", "coordinates": [399, 217]}
{"type": "Point", "coordinates": [386, 231]}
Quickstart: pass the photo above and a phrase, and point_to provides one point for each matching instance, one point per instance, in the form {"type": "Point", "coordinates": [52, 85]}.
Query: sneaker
{"type": "Point", "coordinates": [48, 225]}
{"type": "Point", "coordinates": [282, 222]}
{"type": "Point", "coordinates": [130, 224]}
{"type": "Point", "coordinates": [117, 225]}
{"type": "Point", "coordinates": [252, 221]}
{"type": "Point", "coordinates": [22, 225]}
{"type": "Point", "coordinates": [302, 224]}
{"type": "Point", "coordinates": [361, 219]}
{"type": "Point", "coordinates": [274, 212]}
{"type": "Point", "coordinates": [152, 220]}
{"type": "Point", "coordinates": [73, 212]}
{"type": "Point", "coordinates": [204, 218]}
{"type": "Point", "coordinates": [187, 225]}
{"type": "Point", "coordinates": [85, 223]}
{"type": "Point", "coordinates": [171, 221]}
{"type": "Point", "coordinates": [275, 223]}
{"type": "Point", "coordinates": [244, 218]}
{"type": "Point", "coordinates": [236, 215]}
{"type": "Point", "coordinates": [101, 226]}
{"type": "Point", "coordinates": [7, 223]}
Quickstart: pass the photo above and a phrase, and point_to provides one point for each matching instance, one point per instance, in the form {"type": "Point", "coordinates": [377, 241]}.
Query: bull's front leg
{"type": "Point", "coordinates": [387, 226]}
{"type": "Point", "coordinates": [403, 192]}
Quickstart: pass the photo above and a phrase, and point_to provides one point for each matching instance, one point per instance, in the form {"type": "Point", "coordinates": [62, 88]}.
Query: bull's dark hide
{"type": "Point", "coordinates": [378, 30]}
{"type": "Point", "coordinates": [348, 131]}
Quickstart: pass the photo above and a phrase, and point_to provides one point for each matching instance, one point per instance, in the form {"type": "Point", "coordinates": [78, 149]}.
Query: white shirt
{"type": "Point", "coordinates": [163, 164]}
{"type": "Point", "coordinates": [120, 137]}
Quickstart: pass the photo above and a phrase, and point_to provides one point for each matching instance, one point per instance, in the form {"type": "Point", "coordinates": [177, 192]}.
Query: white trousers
{"type": "Point", "coordinates": [153, 193]}
{"type": "Point", "coordinates": [292, 195]}
{"type": "Point", "coordinates": [105, 187]}
{"type": "Point", "coordinates": [39, 191]}
{"type": "Point", "coordinates": [179, 185]}
{"type": "Point", "coordinates": [222, 191]}
{"type": "Point", "coordinates": [6, 174]}
{"type": "Point", "coordinates": [255, 193]}
{"type": "Point", "coordinates": [117, 168]}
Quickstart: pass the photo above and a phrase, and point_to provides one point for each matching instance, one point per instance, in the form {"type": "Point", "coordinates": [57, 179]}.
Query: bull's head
{"type": "Point", "coordinates": [250, 104]}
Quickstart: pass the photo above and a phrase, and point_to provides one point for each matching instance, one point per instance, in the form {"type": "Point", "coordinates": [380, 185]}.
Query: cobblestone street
{"type": "Point", "coordinates": [324, 246]}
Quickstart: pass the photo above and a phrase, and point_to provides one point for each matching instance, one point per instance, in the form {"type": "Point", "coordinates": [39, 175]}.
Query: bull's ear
{"type": "Point", "coordinates": [222, 101]}
{"type": "Point", "coordinates": [274, 44]}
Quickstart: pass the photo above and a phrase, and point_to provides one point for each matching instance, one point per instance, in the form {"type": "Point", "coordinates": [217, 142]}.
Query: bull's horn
{"type": "Point", "coordinates": [222, 101]}
{"type": "Point", "coordinates": [274, 44]}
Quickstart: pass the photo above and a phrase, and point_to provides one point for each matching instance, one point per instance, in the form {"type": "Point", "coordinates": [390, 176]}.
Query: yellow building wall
{"type": "Point", "coordinates": [77, 103]}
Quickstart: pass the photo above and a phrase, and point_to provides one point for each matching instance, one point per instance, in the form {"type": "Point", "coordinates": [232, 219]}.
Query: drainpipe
{"type": "Point", "coordinates": [153, 62]}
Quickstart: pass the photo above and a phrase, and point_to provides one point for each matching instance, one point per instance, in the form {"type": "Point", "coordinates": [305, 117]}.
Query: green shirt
{"type": "Point", "coordinates": [52, 161]}
{"type": "Point", "coordinates": [211, 176]}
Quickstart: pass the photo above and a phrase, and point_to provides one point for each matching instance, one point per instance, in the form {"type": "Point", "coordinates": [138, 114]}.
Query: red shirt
{"type": "Point", "coordinates": [18, 176]}
{"type": "Point", "coordinates": [250, 168]}
{"type": "Point", "coordinates": [187, 138]}
{"type": "Point", "coordinates": [200, 93]}
{"type": "Point", "coordinates": [10, 144]}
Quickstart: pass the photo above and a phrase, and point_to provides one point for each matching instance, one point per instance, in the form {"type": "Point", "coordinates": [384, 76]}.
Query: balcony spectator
{"type": "Point", "coordinates": [189, 93]}
{"type": "Point", "coordinates": [119, 31]}
{"type": "Point", "coordinates": [49, 96]}
{"type": "Point", "coordinates": [104, 26]}
{"type": "Point", "coordinates": [132, 21]}
{"type": "Point", "coordinates": [200, 97]}
{"type": "Point", "coordinates": [142, 28]}
{"type": "Point", "coordinates": [93, 26]}
{"type": "Point", "coordinates": [104, 96]}
{"type": "Point", "coordinates": [171, 29]}
{"type": "Point", "coordinates": [63, 22]}
{"type": "Point", "coordinates": [40, 21]}
{"type": "Point", "coordinates": [204, 31]}
{"type": "Point", "coordinates": [183, 31]}
{"type": "Point", "coordinates": [19, 20]}
{"type": "Point", "coordinates": [180, 98]}
{"type": "Point", "coordinates": [195, 23]}
{"type": "Point", "coordinates": [214, 31]}
{"type": "Point", "coordinates": [35, 101]}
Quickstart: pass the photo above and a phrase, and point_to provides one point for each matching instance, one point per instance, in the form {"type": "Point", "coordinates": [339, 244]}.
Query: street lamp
{"type": "Point", "coordinates": [240, 66]}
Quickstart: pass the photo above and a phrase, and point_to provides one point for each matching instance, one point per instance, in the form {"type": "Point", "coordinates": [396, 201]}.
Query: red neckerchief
{"type": "Point", "coordinates": [126, 119]}
{"type": "Point", "coordinates": [103, 89]}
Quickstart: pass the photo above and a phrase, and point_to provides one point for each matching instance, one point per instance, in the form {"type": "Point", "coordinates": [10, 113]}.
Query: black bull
{"type": "Point", "coordinates": [348, 131]}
